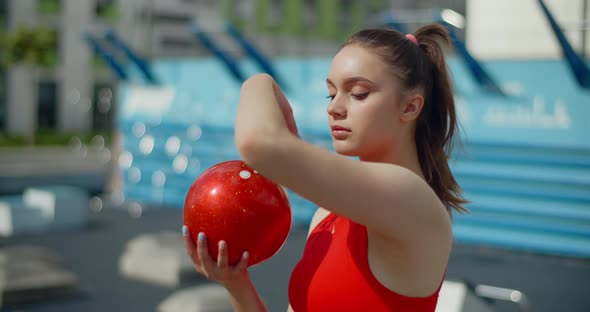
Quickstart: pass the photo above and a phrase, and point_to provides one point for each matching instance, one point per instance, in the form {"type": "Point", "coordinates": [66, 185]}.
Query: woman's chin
{"type": "Point", "coordinates": [342, 149]}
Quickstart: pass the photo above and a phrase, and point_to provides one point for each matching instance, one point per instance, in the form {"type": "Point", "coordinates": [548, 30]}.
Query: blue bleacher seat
{"type": "Point", "coordinates": [529, 188]}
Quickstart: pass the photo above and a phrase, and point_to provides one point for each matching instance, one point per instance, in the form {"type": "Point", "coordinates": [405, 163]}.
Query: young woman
{"type": "Point", "coordinates": [382, 237]}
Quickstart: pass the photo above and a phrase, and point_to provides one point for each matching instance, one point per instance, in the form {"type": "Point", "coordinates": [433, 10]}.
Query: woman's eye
{"type": "Point", "coordinates": [360, 96]}
{"type": "Point", "coordinates": [331, 97]}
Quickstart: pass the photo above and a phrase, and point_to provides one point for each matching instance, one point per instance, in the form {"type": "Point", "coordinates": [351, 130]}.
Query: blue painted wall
{"type": "Point", "coordinates": [547, 106]}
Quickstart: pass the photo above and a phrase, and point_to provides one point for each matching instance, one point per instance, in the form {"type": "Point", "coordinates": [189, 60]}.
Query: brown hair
{"type": "Point", "coordinates": [422, 66]}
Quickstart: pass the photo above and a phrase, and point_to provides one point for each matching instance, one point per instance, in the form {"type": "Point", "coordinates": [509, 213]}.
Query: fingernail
{"type": "Point", "coordinates": [201, 236]}
{"type": "Point", "coordinates": [245, 255]}
{"type": "Point", "coordinates": [184, 230]}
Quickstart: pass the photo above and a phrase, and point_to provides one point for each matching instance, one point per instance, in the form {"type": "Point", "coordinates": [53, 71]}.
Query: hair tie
{"type": "Point", "coordinates": [412, 38]}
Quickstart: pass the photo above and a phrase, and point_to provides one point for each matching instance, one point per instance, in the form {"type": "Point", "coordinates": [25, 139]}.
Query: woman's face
{"type": "Point", "coordinates": [364, 111]}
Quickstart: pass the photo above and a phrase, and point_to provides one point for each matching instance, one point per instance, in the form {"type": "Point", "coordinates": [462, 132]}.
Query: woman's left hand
{"type": "Point", "coordinates": [215, 269]}
{"type": "Point", "coordinates": [286, 109]}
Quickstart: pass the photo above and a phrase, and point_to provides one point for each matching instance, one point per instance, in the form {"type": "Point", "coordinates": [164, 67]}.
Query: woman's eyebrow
{"type": "Point", "coordinates": [350, 80]}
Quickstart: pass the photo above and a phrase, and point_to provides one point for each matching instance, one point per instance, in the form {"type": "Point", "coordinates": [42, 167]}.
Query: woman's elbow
{"type": "Point", "coordinates": [253, 149]}
{"type": "Point", "coordinates": [255, 79]}
{"type": "Point", "coordinates": [245, 144]}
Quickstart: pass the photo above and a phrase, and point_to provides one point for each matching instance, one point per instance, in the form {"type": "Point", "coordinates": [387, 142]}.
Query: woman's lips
{"type": "Point", "coordinates": [340, 133]}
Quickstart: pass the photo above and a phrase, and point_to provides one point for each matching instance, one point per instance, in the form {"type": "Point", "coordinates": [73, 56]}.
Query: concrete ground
{"type": "Point", "coordinates": [551, 283]}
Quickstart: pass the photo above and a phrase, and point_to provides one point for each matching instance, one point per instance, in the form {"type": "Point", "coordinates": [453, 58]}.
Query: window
{"type": "Point", "coordinates": [2, 74]}
{"type": "Point", "coordinates": [2, 101]}
{"type": "Point", "coordinates": [102, 106]}
{"type": "Point", "coordinates": [50, 54]}
{"type": "Point", "coordinates": [276, 13]}
{"type": "Point", "coordinates": [268, 15]}
{"type": "Point", "coordinates": [310, 14]}
{"type": "Point", "coordinates": [48, 7]}
{"type": "Point", "coordinates": [3, 10]}
{"type": "Point", "coordinates": [346, 15]}
{"type": "Point", "coordinates": [47, 105]}
{"type": "Point", "coordinates": [168, 17]}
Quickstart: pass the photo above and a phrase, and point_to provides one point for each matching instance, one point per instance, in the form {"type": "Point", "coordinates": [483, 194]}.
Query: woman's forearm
{"type": "Point", "coordinates": [261, 125]}
{"type": "Point", "coordinates": [259, 118]}
{"type": "Point", "coordinates": [244, 297]}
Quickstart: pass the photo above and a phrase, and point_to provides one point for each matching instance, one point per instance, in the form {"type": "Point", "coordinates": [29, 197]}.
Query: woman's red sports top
{"type": "Point", "coordinates": [334, 274]}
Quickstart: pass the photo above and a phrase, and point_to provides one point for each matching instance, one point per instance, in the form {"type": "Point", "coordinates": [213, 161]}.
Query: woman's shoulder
{"type": "Point", "coordinates": [319, 215]}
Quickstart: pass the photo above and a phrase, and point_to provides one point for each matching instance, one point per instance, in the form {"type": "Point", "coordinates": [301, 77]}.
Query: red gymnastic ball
{"type": "Point", "coordinates": [232, 202]}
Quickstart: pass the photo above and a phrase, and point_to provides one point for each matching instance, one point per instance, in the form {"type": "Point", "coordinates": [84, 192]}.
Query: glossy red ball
{"type": "Point", "coordinates": [232, 202]}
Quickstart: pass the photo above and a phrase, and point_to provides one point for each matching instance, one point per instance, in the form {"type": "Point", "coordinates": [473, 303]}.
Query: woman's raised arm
{"type": "Point", "coordinates": [387, 198]}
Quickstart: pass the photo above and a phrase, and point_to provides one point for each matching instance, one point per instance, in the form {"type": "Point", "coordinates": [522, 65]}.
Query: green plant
{"type": "Point", "coordinates": [35, 46]}
{"type": "Point", "coordinates": [7, 140]}
{"type": "Point", "coordinates": [48, 7]}
{"type": "Point", "coordinates": [327, 25]}
{"type": "Point", "coordinates": [229, 9]}
{"type": "Point", "coordinates": [108, 11]}
{"type": "Point", "coordinates": [47, 137]}
{"type": "Point", "coordinates": [98, 63]}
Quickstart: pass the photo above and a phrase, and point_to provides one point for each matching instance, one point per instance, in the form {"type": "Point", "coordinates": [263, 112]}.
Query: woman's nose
{"type": "Point", "coordinates": [336, 109]}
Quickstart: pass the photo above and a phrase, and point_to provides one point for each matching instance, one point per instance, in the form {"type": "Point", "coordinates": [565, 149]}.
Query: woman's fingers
{"type": "Point", "coordinates": [207, 263]}
{"type": "Point", "coordinates": [191, 248]}
{"type": "Point", "coordinates": [243, 261]}
{"type": "Point", "coordinates": [222, 255]}
{"type": "Point", "coordinates": [216, 270]}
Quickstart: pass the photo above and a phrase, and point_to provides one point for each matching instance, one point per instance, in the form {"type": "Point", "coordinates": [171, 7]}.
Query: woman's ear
{"type": "Point", "coordinates": [412, 107]}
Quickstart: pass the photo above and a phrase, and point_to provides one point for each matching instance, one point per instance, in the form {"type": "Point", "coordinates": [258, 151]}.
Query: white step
{"type": "Point", "coordinates": [204, 298]}
{"type": "Point", "coordinates": [456, 296]}
{"type": "Point", "coordinates": [64, 206]}
{"type": "Point", "coordinates": [16, 217]}
{"type": "Point", "coordinates": [164, 251]}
